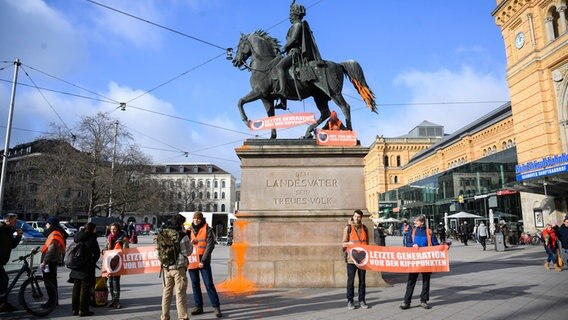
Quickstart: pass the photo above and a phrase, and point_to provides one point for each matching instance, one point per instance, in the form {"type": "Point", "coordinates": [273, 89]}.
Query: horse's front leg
{"type": "Point", "coordinates": [251, 96]}
{"type": "Point", "coordinates": [269, 107]}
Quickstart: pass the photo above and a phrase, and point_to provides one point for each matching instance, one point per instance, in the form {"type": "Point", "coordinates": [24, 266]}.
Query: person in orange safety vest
{"type": "Point", "coordinates": [353, 234]}
{"type": "Point", "coordinates": [53, 249]}
{"type": "Point", "coordinates": [334, 123]}
{"type": "Point", "coordinates": [203, 240]}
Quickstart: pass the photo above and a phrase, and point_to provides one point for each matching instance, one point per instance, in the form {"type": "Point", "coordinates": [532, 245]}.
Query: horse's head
{"type": "Point", "coordinates": [243, 51]}
{"type": "Point", "coordinates": [258, 44]}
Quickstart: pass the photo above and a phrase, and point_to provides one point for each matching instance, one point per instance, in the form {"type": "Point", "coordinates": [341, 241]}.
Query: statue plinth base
{"type": "Point", "coordinates": [296, 199]}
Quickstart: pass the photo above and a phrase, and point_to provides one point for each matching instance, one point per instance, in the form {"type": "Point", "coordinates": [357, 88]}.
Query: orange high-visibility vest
{"type": "Point", "coordinates": [355, 238]}
{"type": "Point", "coordinates": [201, 238]}
{"type": "Point", "coordinates": [56, 236]}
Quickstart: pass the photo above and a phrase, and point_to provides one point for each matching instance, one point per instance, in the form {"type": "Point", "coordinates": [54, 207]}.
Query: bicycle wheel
{"type": "Point", "coordinates": [38, 296]}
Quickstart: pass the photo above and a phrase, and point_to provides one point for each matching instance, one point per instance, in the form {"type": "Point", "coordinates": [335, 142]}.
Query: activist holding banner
{"type": "Point", "coordinates": [203, 240]}
{"type": "Point", "coordinates": [419, 236]}
{"type": "Point", "coordinates": [117, 240]}
{"type": "Point", "coordinates": [174, 271]}
{"type": "Point", "coordinates": [354, 234]}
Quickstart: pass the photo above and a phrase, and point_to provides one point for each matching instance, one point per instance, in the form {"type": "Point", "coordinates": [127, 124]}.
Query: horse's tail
{"type": "Point", "coordinates": [355, 74]}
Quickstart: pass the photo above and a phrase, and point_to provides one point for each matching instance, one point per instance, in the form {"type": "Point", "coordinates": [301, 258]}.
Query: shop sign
{"type": "Point", "coordinates": [551, 161]}
{"type": "Point", "coordinates": [542, 173]}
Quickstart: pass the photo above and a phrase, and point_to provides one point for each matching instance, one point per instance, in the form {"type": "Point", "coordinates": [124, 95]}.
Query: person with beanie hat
{"type": "Point", "coordinates": [53, 249]}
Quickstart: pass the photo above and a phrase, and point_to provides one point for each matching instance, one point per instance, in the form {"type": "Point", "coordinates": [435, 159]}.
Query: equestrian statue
{"type": "Point", "coordinates": [296, 72]}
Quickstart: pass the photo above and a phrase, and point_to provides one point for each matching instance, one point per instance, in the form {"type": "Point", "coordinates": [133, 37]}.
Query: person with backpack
{"type": "Point", "coordinates": [419, 236]}
{"type": "Point", "coordinates": [355, 233]}
{"type": "Point", "coordinates": [203, 240]}
{"type": "Point", "coordinates": [53, 249]}
{"type": "Point", "coordinates": [116, 240]}
{"type": "Point", "coordinates": [173, 249]}
{"type": "Point", "coordinates": [81, 257]}
{"type": "Point", "coordinates": [7, 242]}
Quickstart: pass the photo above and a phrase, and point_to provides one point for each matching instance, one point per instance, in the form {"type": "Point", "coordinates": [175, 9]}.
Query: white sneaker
{"type": "Point", "coordinates": [350, 305]}
{"type": "Point", "coordinates": [363, 305]}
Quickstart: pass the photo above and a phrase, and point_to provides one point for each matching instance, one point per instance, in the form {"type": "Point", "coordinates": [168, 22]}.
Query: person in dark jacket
{"type": "Point", "coordinates": [563, 237]}
{"type": "Point", "coordinates": [380, 235]}
{"type": "Point", "coordinates": [419, 237]}
{"type": "Point", "coordinates": [84, 278]}
{"type": "Point", "coordinates": [7, 242]}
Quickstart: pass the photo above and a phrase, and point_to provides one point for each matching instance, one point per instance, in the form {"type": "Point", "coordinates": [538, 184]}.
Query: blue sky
{"type": "Point", "coordinates": [419, 57]}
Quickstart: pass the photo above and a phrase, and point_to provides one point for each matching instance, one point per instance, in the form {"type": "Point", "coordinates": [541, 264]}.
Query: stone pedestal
{"type": "Point", "coordinates": [296, 198]}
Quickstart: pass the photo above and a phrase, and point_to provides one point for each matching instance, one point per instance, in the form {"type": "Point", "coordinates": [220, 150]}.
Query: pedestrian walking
{"type": "Point", "coordinates": [203, 240]}
{"type": "Point", "coordinates": [380, 236]}
{"type": "Point", "coordinates": [419, 237]}
{"type": "Point", "coordinates": [353, 234]}
{"type": "Point", "coordinates": [482, 234]}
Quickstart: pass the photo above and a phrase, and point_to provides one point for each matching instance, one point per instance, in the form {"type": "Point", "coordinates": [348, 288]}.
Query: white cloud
{"type": "Point", "coordinates": [443, 88]}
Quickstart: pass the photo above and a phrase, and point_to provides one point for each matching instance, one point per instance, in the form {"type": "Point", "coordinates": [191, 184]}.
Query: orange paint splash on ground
{"type": "Point", "coordinates": [238, 285]}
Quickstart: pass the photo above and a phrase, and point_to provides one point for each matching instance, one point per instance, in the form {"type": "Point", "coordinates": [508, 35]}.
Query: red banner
{"type": "Point", "coordinates": [336, 138]}
{"type": "Point", "coordinates": [401, 259]}
{"type": "Point", "coordinates": [283, 121]}
{"type": "Point", "coordinates": [137, 261]}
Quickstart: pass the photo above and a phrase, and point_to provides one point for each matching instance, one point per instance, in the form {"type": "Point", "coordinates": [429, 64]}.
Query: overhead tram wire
{"type": "Point", "coordinates": [158, 25]}
{"type": "Point", "coordinates": [177, 77]}
{"type": "Point", "coordinates": [47, 101]}
{"type": "Point", "coordinates": [59, 91]}
{"type": "Point", "coordinates": [157, 140]}
{"type": "Point", "coordinates": [72, 84]}
{"type": "Point", "coordinates": [27, 130]}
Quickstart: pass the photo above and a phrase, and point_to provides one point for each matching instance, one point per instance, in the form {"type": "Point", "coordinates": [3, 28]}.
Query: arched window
{"type": "Point", "coordinates": [386, 161]}
{"type": "Point", "coordinates": [223, 195]}
{"type": "Point", "coordinates": [223, 208]}
{"type": "Point", "coordinates": [193, 183]}
{"type": "Point", "coordinates": [504, 145]}
{"type": "Point", "coordinates": [223, 184]}
{"type": "Point", "coordinates": [551, 23]}
{"type": "Point", "coordinates": [200, 184]}
{"type": "Point", "coordinates": [494, 149]}
{"type": "Point", "coordinates": [215, 195]}
{"type": "Point", "coordinates": [208, 195]}
{"type": "Point", "coordinates": [509, 143]}
{"type": "Point", "coordinates": [208, 184]}
{"type": "Point", "coordinates": [484, 152]}
{"type": "Point", "coordinates": [200, 207]}
{"type": "Point", "coordinates": [398, 162]}
{"type": "Point", "coordinates": [200, 195]}
{"type": "Point", "coordinates": [216, 184]}
{"type": "Point", "coordinates": [214, 207]}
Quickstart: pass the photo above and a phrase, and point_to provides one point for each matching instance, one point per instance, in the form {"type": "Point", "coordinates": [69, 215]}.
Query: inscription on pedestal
{"type": "Point", "coordinates": [302, 188]}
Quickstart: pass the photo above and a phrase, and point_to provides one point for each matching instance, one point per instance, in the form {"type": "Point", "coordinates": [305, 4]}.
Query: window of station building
{"type": "Point", "coordinates": [398, 162]}
{"type": "Point", "coordinates": [223, 184]}
{"type": "Point", "coordinates": [223, 208]}
{"type": "Point", "coordinates": [222, 195]}
{"type": "Point", "coordinates": [395, 179]}
{"type": "Point", "coordinates": [386, 161]}
{"type": "Point", "coordinates": [551, 23]}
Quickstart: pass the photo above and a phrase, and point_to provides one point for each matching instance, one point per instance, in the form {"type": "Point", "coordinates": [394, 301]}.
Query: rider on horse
{"type": "Point", "coordinates": [300, 46]}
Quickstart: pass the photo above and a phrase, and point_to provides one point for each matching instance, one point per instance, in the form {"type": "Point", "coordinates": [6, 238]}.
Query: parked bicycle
{"type": "Point", "coordinates": [37, 295]}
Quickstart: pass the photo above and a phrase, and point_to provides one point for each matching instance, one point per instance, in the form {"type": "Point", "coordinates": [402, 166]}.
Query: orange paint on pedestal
{"type": "Point", "coordinates": [238, 285]}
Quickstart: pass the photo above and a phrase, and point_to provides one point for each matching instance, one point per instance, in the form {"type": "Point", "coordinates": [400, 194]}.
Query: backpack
{"type": "Point", "coordinates": [74, 256]}
{"type": "Point", "coordinates": [168, 246]}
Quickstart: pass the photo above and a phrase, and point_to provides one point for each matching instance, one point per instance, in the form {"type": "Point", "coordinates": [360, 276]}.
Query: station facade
{"type": "Point", "coordinates": [512, 161]}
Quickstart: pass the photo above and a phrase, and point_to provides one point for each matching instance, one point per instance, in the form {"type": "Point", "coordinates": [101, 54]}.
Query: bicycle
{"type": "Point", "coordinates": [37, 295]}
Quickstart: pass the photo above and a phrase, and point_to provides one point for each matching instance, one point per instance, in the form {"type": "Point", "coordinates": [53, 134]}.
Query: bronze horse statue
{"type": "Point", "coordinates": [326, 81]}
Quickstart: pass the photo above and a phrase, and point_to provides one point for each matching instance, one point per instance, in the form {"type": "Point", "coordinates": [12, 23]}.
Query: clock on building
{"type": "Point", "coordinates": [520, 40]}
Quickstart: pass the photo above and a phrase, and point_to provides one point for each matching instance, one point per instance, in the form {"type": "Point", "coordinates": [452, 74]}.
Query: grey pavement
{"type": "Point", "coordinates": [481, 285]}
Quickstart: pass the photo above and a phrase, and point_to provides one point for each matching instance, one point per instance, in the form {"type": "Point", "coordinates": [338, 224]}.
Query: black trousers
{"type": "Point", "coordinates": [3, 284]}
{"type": "Point", "coordinates": [425, 294]}
{"type": "Point", "coordinates": [81, 295]}
{"type": "Point", "coordinates": [351, 270]}
{"type": "Point", "coordinates": [51, 276]}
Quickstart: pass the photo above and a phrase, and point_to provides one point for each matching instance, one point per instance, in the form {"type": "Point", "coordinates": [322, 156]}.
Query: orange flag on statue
{"type": "Point", "coordinates": [401, 259]}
